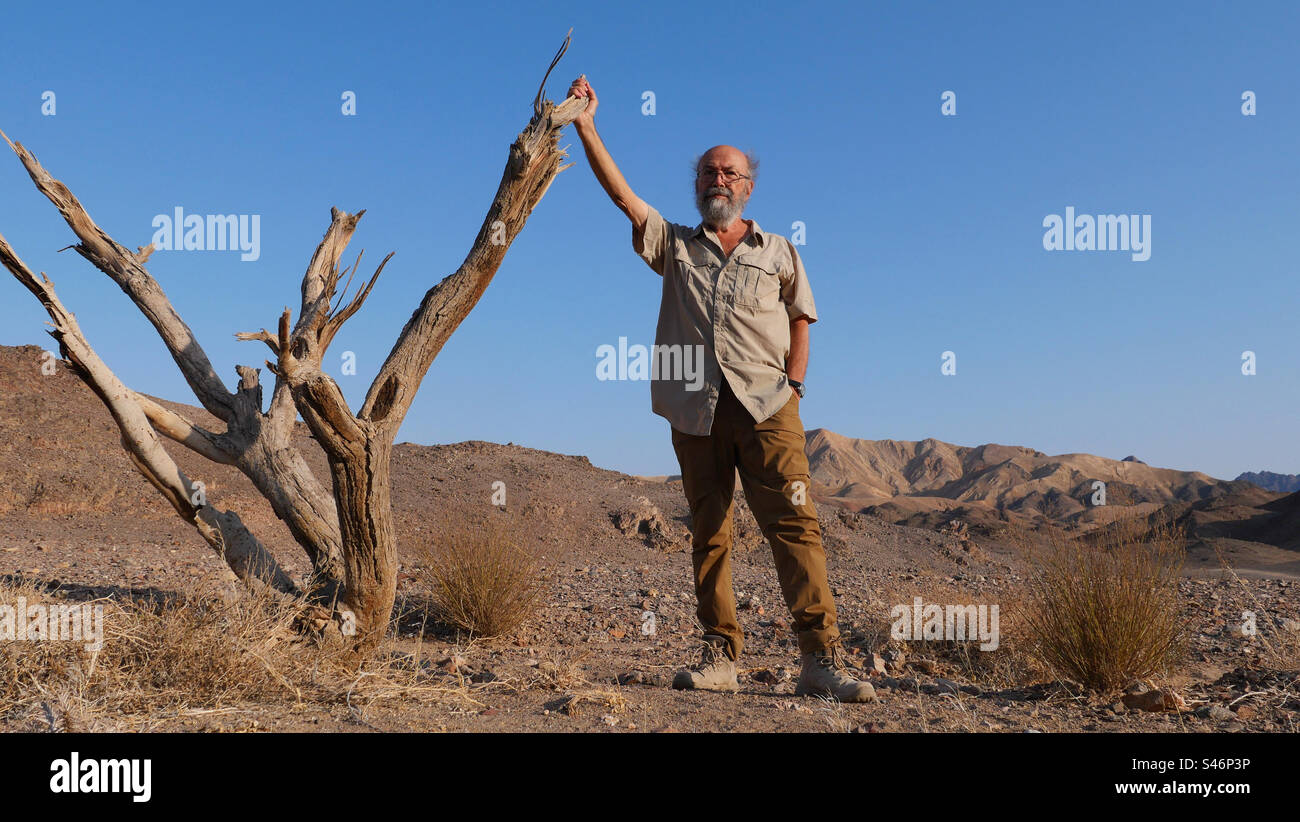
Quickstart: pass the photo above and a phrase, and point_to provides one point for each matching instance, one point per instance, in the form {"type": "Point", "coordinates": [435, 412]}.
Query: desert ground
{"type": "Point", "coordinates": [900, 520]}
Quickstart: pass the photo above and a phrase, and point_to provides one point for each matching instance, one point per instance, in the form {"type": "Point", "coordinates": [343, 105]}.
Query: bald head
{"type": "Point", "coordinates": [724, 179]}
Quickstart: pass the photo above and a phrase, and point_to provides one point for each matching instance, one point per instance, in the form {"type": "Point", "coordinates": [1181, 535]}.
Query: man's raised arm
{"type": "Point", "coordinates": [602, 165]}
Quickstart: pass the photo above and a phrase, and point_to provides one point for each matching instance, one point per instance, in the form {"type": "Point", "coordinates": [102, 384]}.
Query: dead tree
{"type": "Point", "coordinates": [347, 534]}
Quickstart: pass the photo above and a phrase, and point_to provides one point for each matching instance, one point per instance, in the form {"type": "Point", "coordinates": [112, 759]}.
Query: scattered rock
{"type": "Point", "coordinates": [894, 659]}
{"type": "Point", "coordinates": [1216, 713]}
{"type": "Point", "coordinates": [1141, 697]}
{"type": "Point", "coordinates": [644, 521]}
{"type": "Point", "coordinates": [764, 676]}
{"type": "Point", "coordinates": [925, 666]}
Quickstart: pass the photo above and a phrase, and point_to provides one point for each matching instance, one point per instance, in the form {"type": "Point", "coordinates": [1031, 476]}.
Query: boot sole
{"type": "Point", "coordinates": [871, 697]}
{"type": "Point", "coordinates": [729, 688]}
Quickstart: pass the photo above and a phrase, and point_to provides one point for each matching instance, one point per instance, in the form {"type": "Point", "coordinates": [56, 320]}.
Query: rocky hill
{"type": "Point", "coordinates": [1269, 481]}
{"type": "Point", "coordinates": [928, 482]}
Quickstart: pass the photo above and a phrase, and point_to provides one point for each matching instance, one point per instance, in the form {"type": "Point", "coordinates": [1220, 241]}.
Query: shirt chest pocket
{"type": "Point", "coordinates": [757, 284]}
{"type": "Point", "coordinates": [696, 272]}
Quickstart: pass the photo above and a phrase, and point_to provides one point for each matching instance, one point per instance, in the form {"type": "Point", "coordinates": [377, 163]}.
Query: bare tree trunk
{"type": "Point", "coordinates": [348, 535]}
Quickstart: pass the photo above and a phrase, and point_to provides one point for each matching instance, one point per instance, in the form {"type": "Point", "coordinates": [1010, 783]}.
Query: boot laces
{"type": "Point", "coordinates": [833, 659]}
{"type": "Point", "coordinates": [713, 654]}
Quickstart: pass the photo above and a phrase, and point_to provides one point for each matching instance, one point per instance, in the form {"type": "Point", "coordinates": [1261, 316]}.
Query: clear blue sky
{"type": "Point", "coordinates": [924, 232]}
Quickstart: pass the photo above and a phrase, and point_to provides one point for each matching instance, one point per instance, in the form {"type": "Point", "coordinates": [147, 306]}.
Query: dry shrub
{"type": "Point", "coordinates": [1104, 609]}
{"type": "Point", "coordinates": [483, 580]}
{"type": "Point", "coordinates": [191, 655]}
{"type": "Point", "coordinates": [185, 652]}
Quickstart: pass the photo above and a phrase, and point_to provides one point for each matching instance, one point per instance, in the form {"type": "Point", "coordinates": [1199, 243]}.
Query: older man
{"type": "Point", "coordinates": [741, 295]}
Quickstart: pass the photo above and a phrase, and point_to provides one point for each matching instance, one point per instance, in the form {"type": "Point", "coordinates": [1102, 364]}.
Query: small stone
{"type": "Point", "coordinates": [453, 664]}
{"type": "Point", "coordinates": [1216, 713]}
{"type": "Point", "coordinates": [1155, 701]}
{"type": "Point", "coordinates": [895, 660]}
{"type": "Point", "coordinates": [925, 666]}
{"type": "Point", "coordinates": [764, 676]}
{"type": "Point", "coordinates": [906, 683]}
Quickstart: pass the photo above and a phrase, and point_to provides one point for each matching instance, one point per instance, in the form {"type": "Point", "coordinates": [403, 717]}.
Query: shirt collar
{"type": "Point", "coordinates": [755, 232]}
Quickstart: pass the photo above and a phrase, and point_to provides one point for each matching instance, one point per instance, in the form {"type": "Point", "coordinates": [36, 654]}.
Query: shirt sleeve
{"type": "Point", "coordinates": [796, 292]}
{"type": "Point", "coordinates": [652, 243]}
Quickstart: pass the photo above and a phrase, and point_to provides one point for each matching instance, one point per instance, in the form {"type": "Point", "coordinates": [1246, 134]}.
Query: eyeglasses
{"type": "Point", "coordinates": [728, 177]}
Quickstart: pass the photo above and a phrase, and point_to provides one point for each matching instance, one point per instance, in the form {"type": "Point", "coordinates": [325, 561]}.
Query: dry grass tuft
{"type": "Point", "coordinates": [1105, 609]}
{"type": "Point", "coordinates": [483, 580]}
{"type": "Point", "coordinates": [198, 655]}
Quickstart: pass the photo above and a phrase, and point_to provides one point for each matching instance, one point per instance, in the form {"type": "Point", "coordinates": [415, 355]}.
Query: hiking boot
{"type": "Point", "coordinates": [714, 672]}
{"type": "Point", "coordinates": [825, 674]}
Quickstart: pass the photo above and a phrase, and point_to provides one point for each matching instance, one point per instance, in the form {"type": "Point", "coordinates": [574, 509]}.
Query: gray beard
{"type": "Point", "coordinates": [719, 213]}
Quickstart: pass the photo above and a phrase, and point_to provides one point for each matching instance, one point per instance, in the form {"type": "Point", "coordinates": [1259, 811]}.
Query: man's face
{"type": "Point", "coordinates": [721, 203]}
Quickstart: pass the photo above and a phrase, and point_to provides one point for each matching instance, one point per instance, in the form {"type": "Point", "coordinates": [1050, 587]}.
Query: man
{"type": "Point", "coordinates": [742, 295]}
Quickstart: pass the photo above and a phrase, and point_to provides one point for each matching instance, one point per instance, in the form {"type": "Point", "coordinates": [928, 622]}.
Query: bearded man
{"type": "Point", "coordinates": [742, 295]}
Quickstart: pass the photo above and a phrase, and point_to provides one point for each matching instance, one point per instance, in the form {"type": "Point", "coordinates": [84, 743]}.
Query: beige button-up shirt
{"type": "Point", "coordinates": [730, 315]}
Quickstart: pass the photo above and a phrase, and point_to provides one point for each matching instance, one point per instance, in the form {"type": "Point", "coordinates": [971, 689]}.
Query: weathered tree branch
{"type": "Point", "coordinates": [127, 270]}
{"type": "Point", "coordinates": [223, 530]}
{"type": "Point", "coordinates": [534, 161]}
{"type": "Point", "coordinates": [178, 429]}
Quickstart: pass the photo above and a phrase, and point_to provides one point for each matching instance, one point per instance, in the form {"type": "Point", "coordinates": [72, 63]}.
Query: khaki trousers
{"type": "Point", "coordinates": [773, 468]}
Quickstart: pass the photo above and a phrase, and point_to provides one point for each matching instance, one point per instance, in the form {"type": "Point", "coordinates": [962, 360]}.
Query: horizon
{"type": "Point", "coordinates": [809, 431]}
